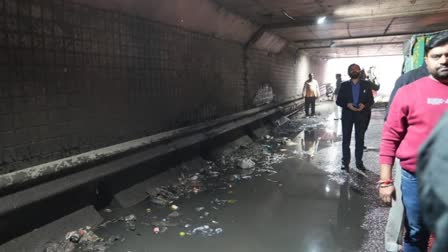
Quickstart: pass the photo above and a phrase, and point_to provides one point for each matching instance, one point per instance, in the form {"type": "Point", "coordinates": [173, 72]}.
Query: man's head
{"type": "Point", "coordinates": [436, 57]}
{"type": "Point", "coordinates": [338, 76]}
{"type": "Point", "coordinates": [354, 71]}
{"type": "Point", "coordinates": [311, 76]}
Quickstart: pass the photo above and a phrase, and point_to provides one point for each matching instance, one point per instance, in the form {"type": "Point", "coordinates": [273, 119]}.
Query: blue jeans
{"type": "Point", "coordinates": [417, 235]}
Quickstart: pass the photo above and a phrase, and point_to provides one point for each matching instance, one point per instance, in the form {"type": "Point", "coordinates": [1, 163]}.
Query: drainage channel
{"type": "Point", "coordinates": [51, 205]}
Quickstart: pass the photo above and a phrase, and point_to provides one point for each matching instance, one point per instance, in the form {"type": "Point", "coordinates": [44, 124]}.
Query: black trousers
{"type": "Point", "coordinates": [359, 120]}
{"type": "Point", "coordinates": [310, 102]}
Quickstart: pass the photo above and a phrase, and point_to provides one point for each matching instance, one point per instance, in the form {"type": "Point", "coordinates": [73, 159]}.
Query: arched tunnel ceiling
{"type": "Point", "coordinates": [203, 16]}
{"type": "Point", "coordinates": [352, 27]}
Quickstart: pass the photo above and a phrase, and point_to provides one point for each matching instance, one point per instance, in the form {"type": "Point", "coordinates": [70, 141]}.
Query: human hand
{"type": "Point", "coordinates": [361, 107]}
{"type": "Point", "coordinates": [387, 193]}
{"type": "Point", "coordinates": [351, 107]}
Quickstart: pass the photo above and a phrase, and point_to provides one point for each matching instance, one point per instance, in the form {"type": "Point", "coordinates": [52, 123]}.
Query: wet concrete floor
{"type": "Point", "coordinates": [310, 205]}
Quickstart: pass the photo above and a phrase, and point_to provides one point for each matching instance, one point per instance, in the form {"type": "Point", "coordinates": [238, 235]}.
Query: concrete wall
{"type": "Point", "coordinates": [278, 71]}
{"type": "Point", "coordinates": [75, 78]}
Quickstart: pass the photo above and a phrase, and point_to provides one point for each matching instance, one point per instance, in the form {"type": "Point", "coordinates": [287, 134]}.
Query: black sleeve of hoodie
{"type": "Point", "coordinates": [401, 81]}
{"type": "Point", "coordinates": [405, 79]}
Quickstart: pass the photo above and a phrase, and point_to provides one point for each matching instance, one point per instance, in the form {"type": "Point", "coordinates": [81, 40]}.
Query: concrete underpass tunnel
{"type": "Point", "coordinates": [97, 97]}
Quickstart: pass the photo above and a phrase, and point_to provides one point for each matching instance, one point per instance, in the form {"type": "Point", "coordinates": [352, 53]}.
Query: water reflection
{"type": "Point", "coordinates": [349, 217]}
{"type": "Point", "coordinates": [309, 144]}
{"type": "Point", "coordinates": [314, 139]}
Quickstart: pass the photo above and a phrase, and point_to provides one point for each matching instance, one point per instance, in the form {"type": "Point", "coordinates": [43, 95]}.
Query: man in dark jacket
{"type": "Point", "coordinates": [355, 97]}
{"type": "Point", "coordinates": [405, 79]}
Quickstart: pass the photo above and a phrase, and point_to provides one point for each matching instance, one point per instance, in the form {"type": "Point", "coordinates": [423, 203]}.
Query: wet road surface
{"type": "Point", "coordinates": [308, 205]}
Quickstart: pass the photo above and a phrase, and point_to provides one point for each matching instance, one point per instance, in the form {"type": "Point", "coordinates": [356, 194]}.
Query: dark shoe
{"type": "Point", "coordinates": [345, 168]}
{"type": "Point", "coordinates": [361, 167]}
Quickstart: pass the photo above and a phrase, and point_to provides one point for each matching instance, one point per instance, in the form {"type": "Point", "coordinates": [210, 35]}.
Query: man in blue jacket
{"type": "Point", "coordinates": [355, 97]}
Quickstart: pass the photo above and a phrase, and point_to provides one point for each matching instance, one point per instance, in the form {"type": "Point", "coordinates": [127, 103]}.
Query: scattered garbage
{"type": "Point", "coordinates": [115, 238]}
{"type": "Point", "coordinates": [198, 209]}
{"type": "Point", "coordinates": [246, 163]}
{"type": "Point", "coordinates": [162, 196]}
{"type": "Point", "coordinates": [74, 236]}
{"type": "Point", "coordinates": [282, 120]}
{"type": "Point", "coordinates": [163, 229]}
{"type": "Point", "coordinates": [159, 230]}
{"type": "Point", "coordinates": [59, 247]}
{"type": "Point", "coordinates": [130, 218]}
{"type": "Point", "coordinates": [130, 222]}
{"type": "Point", "coordinates": [85, 239]}
{"type": "Point", "coordinates": [206, 230]}
{"type": "Point", "coordinates": [196, 190]}
{"type": "Point", "coordinates": [232, 201]}
{"type": "Point", "coordinates": [90, 237]}
{"type": "Point", "coordinates": [241, 164]}
{"type": "Point", "coordinates": [174, 214]}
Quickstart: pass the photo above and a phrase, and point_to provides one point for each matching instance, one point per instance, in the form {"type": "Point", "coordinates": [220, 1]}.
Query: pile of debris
{"type": "Point", "coordinates": [187, 184]}
{"type": "Point", "coordinates": [83, 239]}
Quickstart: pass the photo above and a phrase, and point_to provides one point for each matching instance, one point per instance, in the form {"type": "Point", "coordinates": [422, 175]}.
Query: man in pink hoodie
{"type": "Point", "coordinates": [413, 114]}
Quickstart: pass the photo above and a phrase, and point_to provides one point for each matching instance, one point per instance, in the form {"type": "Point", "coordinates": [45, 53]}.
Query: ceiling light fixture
{"type": "Point", "coordinates": [287, 15]}
{"type": "Point", "coordinates": [321, 20]}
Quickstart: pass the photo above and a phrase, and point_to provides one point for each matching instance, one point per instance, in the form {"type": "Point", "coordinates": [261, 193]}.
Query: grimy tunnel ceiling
{"type": "Point", "coordinates": [351, 28]}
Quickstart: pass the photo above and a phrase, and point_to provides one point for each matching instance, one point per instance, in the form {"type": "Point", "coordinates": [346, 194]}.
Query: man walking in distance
{"type": "Point", "coordinates": [355, 98]}
{"type": "Point", "coordinates": [311, 93]}
{"type": "Point", "coordinates": [413, 114]}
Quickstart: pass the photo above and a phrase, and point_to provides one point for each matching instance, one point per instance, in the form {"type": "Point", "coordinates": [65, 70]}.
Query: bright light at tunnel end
{"type": "Point", "coordinates": [321, 20]}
